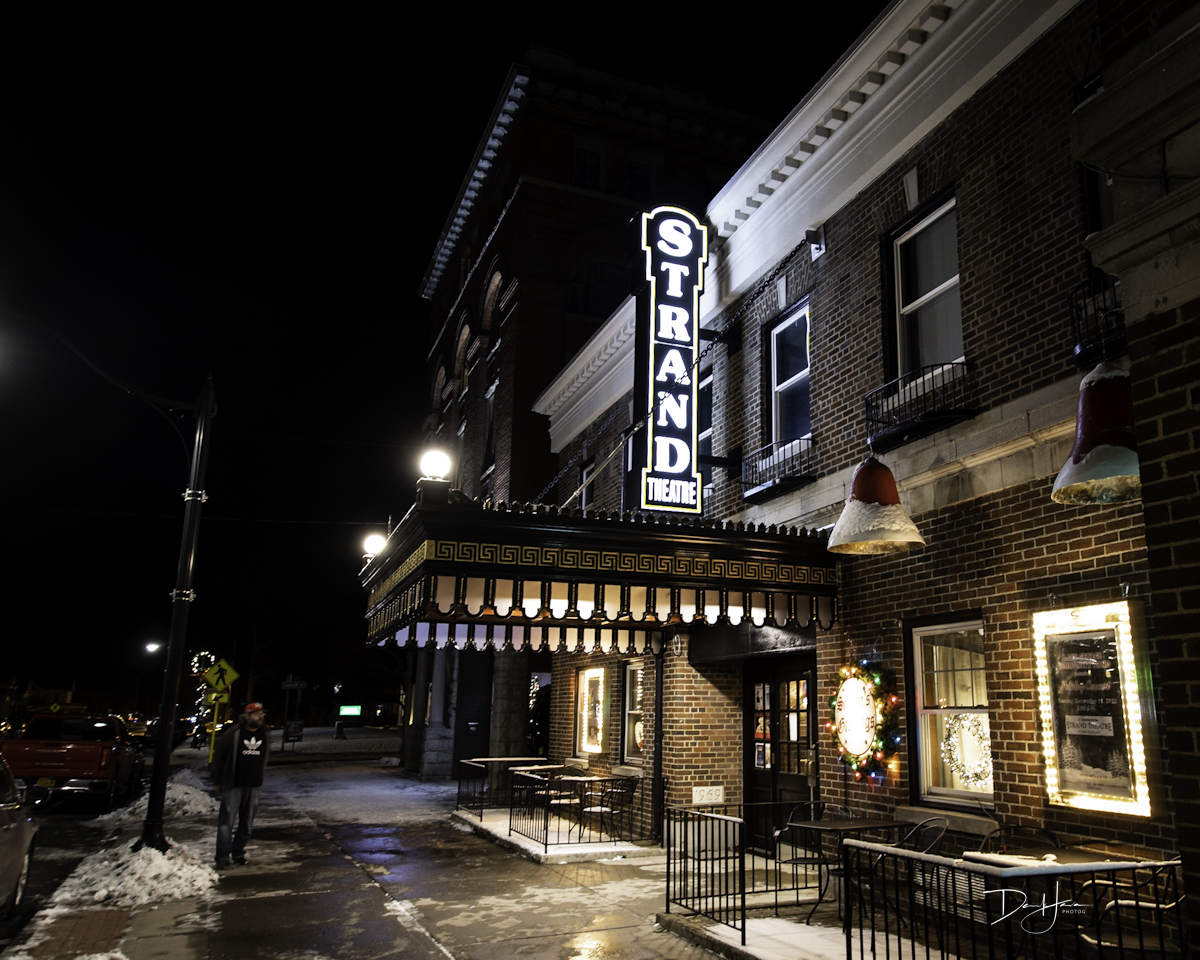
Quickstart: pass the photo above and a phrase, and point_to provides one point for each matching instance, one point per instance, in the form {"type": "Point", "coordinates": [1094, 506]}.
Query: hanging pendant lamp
{"type": "Point", "coordinates": [873, 520]}
{"type": "Point", "coordinates": [1103, 465]}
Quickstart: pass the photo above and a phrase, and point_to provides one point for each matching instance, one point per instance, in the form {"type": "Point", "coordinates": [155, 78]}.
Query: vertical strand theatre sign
{"type": "Point", "coordinates": [676, 246]}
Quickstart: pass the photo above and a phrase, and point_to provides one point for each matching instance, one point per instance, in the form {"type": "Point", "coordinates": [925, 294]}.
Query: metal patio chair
{"type": "Point", "coordinates": [800, 849]}
{"type": "Point", "coordinates": [614, 802]}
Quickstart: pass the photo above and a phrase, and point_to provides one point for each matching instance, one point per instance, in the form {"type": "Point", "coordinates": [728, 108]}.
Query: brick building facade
{"type": "Point", "coordinates": [890, 272]}
{"type": "Point", "coordinates": [995, 150]}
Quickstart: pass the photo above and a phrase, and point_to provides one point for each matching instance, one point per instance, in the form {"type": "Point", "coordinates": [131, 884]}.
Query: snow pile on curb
{"type": "Point", "coordinates": [187, 796]}
{"type": "Point", "coordinates": [124, 878]}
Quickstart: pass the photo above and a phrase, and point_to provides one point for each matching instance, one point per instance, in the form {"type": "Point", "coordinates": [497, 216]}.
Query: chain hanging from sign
{"type": "Point", "coordinates": [676, 247]}
{"type": "Point", "coordinates": [865, 718]}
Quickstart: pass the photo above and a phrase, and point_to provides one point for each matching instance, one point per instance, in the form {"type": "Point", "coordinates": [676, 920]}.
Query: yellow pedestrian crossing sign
{"type": "Point", "coordinates": [217, 697]}
{"type": "Point", "coordinates": [220, 675]}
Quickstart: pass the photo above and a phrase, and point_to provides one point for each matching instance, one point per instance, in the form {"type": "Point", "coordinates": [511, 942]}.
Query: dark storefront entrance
{"type": "Point", "coordinates": [780, 737]}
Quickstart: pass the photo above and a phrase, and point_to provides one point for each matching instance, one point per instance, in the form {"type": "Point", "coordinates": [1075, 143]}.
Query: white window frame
{"type": "Point", "coordinates": [926, 750]}
{"type": "Point", "coordinates": [629, 677]}
{"type": "Point", "coordinates": [587, 485]}
{"type": "Point", "coordinates": [777, 389]}
{"type": "Point", "coordinates": [902, 311]}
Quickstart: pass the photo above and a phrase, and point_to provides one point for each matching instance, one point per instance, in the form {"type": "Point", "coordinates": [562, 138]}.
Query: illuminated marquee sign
{"type": "Point", "coordinates": [1093, 737]}
{"type": "Point", "coordinates": [676, 246]}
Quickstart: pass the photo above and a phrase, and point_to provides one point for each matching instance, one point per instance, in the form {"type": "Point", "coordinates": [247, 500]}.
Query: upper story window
{"type": "Point", "coordinates": [588, 168]}
{"type": "Point", "coordinates": [790, 417]}
{"type": "Point", "coordinates": [928, 309]}
{"type": "Point", "coordinates": [954, 745]}
{"type": "Point", "coordinates": [587, 491]}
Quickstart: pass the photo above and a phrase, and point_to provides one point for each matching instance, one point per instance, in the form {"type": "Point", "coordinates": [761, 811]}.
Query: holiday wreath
{"type": "Point", "coordinates": [867, 745]}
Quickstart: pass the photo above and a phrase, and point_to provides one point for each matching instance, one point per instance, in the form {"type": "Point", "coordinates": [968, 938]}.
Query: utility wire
{"type": "Point", "coordinates": [160, 404]}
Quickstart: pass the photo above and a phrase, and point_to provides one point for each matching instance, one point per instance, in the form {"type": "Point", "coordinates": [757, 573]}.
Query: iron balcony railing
{"type": "Point", "coordinates": [784, 464]}
{"type": "Point", "coordinates": [903, 903]}
{"type": "Point", "coordinates": [721, 860]}
{"type": "Point", "coordinates": [569, 807]}
{"type": "Point", "coordinates": [917, 404]}
{"type": "Point", "coordinates": [1097, 321]}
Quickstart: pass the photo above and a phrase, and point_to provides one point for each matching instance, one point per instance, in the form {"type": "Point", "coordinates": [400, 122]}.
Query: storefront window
{"type": "Point", "coordinates": [591, 710]}
{"type": "Point", "coordinates": [954, 740]}
{"type": "Point", "coordinates": [634, 748]}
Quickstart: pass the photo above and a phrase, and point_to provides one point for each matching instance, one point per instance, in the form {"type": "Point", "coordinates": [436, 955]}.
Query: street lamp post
{"type": "Point", "coordinates": [181, 598]}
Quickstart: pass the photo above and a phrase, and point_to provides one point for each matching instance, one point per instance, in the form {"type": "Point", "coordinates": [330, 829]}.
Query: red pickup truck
{"type": "Point", "coordinates": [70, 754]}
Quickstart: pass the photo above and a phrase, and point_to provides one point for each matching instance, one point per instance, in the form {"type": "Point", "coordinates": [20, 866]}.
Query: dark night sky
{"type": "Point", "coordinates": [258, 201]}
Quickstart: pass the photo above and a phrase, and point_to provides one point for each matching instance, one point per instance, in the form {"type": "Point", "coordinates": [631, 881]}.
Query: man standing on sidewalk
{"type": "Point", "coordinates": [237, 768]}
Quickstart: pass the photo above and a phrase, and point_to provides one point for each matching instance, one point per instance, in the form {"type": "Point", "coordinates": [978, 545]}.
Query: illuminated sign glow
{"type": "Point", "coordinates": [676, 246]}
{"type": "Point", "coordinates": [347, 711]}
{"type": "Point", "coordinates": [854, 716]}
{"type": "Point", "coordinates": [1092, 736]}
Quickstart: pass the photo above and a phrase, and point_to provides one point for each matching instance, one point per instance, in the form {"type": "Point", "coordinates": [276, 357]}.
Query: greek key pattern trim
{"type": "Point", "coordinates": [632, 564]}
{"type": "Point", "coordinates": [397, 576]}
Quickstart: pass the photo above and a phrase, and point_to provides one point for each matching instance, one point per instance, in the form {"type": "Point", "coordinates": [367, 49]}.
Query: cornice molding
{"type": "Point", "coordinates": [599, 375]}
{"type": "Point", "coordinates": [919, 63]}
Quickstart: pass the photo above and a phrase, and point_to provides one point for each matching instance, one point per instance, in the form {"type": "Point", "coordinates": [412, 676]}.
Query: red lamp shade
{"type": "Point", "coordinates": [1103, 465]}
{"type": "Point", "coordinates": [873, 521]}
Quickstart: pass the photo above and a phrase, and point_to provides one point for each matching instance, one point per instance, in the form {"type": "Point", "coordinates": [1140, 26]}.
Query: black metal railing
{"type": "Point", "coordinates": [1097, 321]}
{"type": "Point", "coordinates": [917, 404]}
{"type": "Point", "coordinates": [721, 857]}
{"type": "Point", "coordinates": [784, 462]}
{"type": "Point", "coordinates": [706, 866]}
{"type": "Point", "coordinates": [899, 902]}
{"type": "Point", "coordinates": [572, 808]}
{"type": "Point", "coordinates": [486, 782]}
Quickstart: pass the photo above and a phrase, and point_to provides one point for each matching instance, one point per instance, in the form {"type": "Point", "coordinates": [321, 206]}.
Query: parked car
{"type": "Point", "coordinates": [18, 839]}
{"type": "Point", "coordinates": [93, 756]}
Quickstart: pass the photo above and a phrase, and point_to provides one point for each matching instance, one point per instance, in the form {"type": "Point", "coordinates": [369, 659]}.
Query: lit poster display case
{"type": "Point", "coordinates": [1095, 708]}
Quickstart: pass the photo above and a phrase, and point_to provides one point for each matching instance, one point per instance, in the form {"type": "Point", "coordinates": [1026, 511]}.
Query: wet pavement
{"type": "Point", "coordinates": [354, 860]}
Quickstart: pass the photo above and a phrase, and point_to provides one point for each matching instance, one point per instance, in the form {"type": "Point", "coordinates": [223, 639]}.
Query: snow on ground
{"type": "Point", "coordinates": [121, 877]}
{"type": "Point", "coordinates": [187, 796]}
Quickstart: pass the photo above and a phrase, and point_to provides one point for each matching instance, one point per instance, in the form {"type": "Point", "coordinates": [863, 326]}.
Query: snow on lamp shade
{"type": "Point", "coordinates": [873, 521]}
{"type": "Point", "coordinates": [1103, 465]}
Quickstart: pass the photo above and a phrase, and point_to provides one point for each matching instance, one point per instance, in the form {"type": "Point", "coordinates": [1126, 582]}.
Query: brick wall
{"type": "Point", "coordinates": [1165, 353]}
{"type": "Point", "coordinates": [1021, 209]}
{"type": "Point", "coordinates": [1007, 555]}
{"type": "Point", "coordinates": [703, 736]}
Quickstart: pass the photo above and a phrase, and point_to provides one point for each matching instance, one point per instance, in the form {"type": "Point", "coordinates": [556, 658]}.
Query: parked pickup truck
{"type": "Point", "coordinates": [92, 756]}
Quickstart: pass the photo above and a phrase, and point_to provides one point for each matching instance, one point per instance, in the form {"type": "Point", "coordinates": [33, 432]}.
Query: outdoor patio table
{"type": "Point", "coordinates": [566, 799]}
{"type": "Point", "coordinates": [842, 828]}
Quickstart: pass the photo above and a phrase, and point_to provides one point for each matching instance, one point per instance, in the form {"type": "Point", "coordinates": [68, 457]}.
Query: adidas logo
{"type": "Point", "coordinates": [251, 747]}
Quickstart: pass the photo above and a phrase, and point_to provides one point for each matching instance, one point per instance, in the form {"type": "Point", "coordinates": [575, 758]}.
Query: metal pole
{"type": "Point", "coordinates": [181, 598]}
{"type": "Point", "coordinates": [656, 779]}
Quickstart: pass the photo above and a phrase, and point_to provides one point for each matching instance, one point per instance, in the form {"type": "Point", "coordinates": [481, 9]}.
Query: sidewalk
{"type": "Point", "coordinates": [354, 861]}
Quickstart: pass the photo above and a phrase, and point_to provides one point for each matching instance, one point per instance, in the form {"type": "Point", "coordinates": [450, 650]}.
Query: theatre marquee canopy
{"type": "Point", "coordinates": [519, 575]}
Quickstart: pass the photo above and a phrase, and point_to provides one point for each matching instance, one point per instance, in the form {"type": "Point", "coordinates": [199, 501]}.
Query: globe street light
{"type": "Point", "coordinates": [373, 544]}
{"type": "Point", "coordinates": [435, 465]}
